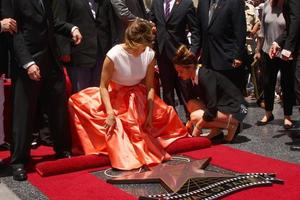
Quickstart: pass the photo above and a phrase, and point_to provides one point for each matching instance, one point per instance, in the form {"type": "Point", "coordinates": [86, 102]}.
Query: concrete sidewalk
{"type": "Point", "coordinates": [6, 193]}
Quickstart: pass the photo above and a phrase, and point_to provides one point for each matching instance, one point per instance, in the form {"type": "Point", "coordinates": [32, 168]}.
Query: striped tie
{"type": "Point", "coordinates": [92, 7]}
{"type": "Point", "coordinates": [167, 9]}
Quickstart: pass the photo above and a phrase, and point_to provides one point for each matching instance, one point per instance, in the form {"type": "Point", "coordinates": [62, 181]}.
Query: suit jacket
{"type": "Point", "coordinates": [290, 39]}
{"type": "Point", "coordinates": [124, 12]}
{"type": "Point", "coordinates": [6, 9]}
{"type": "Point", "coordinates": [172, 32]}
{"type": "Point", "coordinates": [223, 39]}
{"type": "Point", "coordinates": [216, 92]}
{"type": "Point", "coordinates": [35, 37]}
{"type": "Point", "coordinates": [95, 31]}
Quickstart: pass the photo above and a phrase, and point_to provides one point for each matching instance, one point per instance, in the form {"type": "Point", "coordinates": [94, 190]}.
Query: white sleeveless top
{"type": "Point", "coordinates": [128, 69]}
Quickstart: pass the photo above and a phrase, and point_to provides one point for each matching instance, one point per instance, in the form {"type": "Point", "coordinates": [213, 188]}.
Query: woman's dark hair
{"type": "Point", "coordinates": [184, 57]}
{"type": "Point", "coordinates": [139, 32]}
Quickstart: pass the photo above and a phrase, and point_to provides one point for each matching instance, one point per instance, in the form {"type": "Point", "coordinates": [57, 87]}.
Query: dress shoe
{"type": "Point", "coordinates": [295, 148]}
{"type": "Point", "coordinates": [261, 123]}
{"type": "Point", "coordinates": [19, 174]}
{"type": "Point", "coordinates": [288, 126]}
{"type": "Point", "coordinates": [63, 154]}
{"type": "Point", "coordinates": [35, 143]}
{"type": "Point", "coordinates": [5, 146]}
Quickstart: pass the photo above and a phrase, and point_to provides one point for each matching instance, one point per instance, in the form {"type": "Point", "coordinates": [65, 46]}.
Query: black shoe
{"type": "Point", "coordinates": [238, 130]}
{"type": "Point", "coordinates": [288, 126]}
{"type": "Point", "coordinates": [261, 123]}
{"type": "Point", "coordinates": [47, 143]}
{"type": "Point", "coordinates": [5, 146]}
{"type": "Point", "coordinates": [35, 143]}
{"type": "Point", "coordinates": [295, 148]}
{"type": "Point", "coordinates": [63, 154]}
{"type": "Point", "coordinates": [19, 174]}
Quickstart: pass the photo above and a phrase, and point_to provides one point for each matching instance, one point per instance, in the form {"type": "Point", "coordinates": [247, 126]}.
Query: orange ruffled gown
{"type": "Point", "coordinates": [128, 145]}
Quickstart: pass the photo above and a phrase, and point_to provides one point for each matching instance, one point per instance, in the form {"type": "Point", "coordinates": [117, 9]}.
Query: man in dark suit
{"type": "Point", "coordinates": [223, 36]}
{"type": "Point", "coordinates": [289, 42]}
{"type": "Point", "coordinates": [125, 11]}
{"type": "Point", "coordinates": [173, 20]}
{"type": "Point", "coordinates": [92, 18]}
{"type": "Point", "coordinates": [38, 75]}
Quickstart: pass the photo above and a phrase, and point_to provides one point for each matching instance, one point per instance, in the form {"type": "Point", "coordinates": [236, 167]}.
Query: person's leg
{"type": "Point", "coordinates": [297, 79]}
{"type": "Point", "coordinates": [222, 121]}
{"type": "Point", "coordinates": [2, 98]}
{"type": "Point", "coordinates": [57, 111]}
{"type": "Point", "coordinates": [81, 77]}
{"type": "Point", "coordinates": [96, 72]}
{"type": "Point", "coordinates": [168, 78]}
{"type": "Point", "coordinates": [287, 85]}
{"type": "Point", "coordinates": [25, 94]}
{"type": "Point", "coordinates": [271, 69]}
{"type": "Point", "coordinates": [194, 105]}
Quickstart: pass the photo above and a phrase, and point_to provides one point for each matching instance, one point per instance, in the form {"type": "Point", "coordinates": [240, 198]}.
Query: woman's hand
{"type": "Point", "coordinates": [189, 126]}
{"type": "Point", "coordinates": [196, 131]}
{"type": "Point", "coordinates": [257, 56]}
{"type": "Point", "coordinates": [110, 121]}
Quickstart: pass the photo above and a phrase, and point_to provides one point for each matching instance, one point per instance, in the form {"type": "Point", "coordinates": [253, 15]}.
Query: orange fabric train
{"type": "Point", "coordinates": [128, 145]}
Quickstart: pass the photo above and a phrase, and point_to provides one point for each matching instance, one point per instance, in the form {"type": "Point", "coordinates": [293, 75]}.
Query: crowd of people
{"type": "Point", "coordinates": [110, 49]}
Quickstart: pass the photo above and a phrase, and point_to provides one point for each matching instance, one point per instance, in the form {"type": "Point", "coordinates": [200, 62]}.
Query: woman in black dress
{"type": "Point", "coordinates": [213, 101]}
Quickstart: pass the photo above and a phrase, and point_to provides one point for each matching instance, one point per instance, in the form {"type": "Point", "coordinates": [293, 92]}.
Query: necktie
{"type": "Point", "coordinates": [92, 7]}
{"type": "Point", "coordinates": [41, 5]}
{"type": "Point", "coordinates": [212, 7]}
{"type": "Point", "coordinates": [167, 8]}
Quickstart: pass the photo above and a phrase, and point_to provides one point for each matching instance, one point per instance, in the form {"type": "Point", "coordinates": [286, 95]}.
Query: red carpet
{"type": "Point", "coordinates": [78, 163]}
{"type": "Point", "coordinates": [82, 185]}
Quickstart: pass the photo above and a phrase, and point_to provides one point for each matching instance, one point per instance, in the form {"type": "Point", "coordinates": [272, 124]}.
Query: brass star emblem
{"type": "Point", "coordinates": [172, 177]}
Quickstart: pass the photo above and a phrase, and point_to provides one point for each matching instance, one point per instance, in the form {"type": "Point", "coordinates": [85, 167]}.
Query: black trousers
{"type": "Point", "coordinates": [169, 80]}
{"type": "Point", "coordinates": [271, 68]}
{"type": "Point", "coordinates": [26, 95]}
{"type": "Point", "coordinates": [296, 64]}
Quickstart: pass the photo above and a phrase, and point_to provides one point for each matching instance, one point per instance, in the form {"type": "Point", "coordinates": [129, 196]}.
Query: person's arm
{"type": "Point", "coordinates": [21, 51]}
{"type": "Point", "coordinates": [122, 10]}
{"type": "Point", "coordinates": [259, 44]}
{"type": "Point", "coordinates": [66, 29]}
{"type": "Point", "coordinates": [61, 11]}
{"type": "Point", "coordinates": [292, 38]}
{"type": "Point", "coordinates": [256, 26]}
{"type": "Point", "coordinates": [255, 29]}
{"type": "Point", "coordinates": [260, 40]}
{"type": "Point", "coordinates": [150, 92]}
{"type": "Point", "coordinates": [194, 28]}
{"type": "Point", "coordinates": [238, 19]}
{"type": "Point", "coordinates": [107, 72]}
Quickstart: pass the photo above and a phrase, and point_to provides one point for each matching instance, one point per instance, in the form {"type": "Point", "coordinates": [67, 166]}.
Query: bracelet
{"type": "Point", "coordinates": [111, 115]}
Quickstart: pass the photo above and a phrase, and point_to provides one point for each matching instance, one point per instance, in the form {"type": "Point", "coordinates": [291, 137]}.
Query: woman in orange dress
{"type": "Point", "coordinates": [124, 119]}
